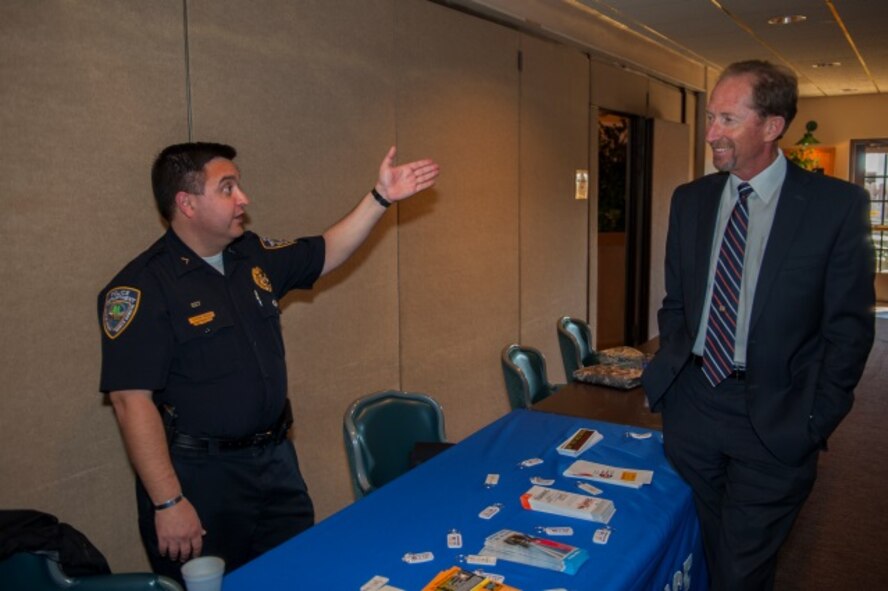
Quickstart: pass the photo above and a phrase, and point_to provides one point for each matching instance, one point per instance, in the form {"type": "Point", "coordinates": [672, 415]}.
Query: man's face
{"type": "Point", "coordinates": [220, 211]}
{"type": "Point", "coordinates": [742, 141]}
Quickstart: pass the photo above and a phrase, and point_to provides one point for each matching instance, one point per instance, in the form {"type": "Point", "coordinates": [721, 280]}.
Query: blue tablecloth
{"type": "Point", "coordinates": [655, 542]}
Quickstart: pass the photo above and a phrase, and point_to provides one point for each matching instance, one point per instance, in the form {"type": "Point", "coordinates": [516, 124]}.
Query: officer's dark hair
{"type": "Point", "coordinates": [180, 167]}
{"type": "Point", "coordinates": [775, 89]}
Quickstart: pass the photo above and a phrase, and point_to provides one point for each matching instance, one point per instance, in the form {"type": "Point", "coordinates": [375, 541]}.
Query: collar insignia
{"type": "Point", "coordinates": [261, 279]}
{"type": "Point", "coordinates": [121, 305]}
{"type": "Point", "coordinates": [185, 260]}
{"type": "Point", "coordinates": [274, 243]}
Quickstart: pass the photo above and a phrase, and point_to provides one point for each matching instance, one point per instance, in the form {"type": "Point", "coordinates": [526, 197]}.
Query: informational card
{"type": "Point", "coordinates": [515, 546]}
{"type": "Point", "coordinates": [609, 474]}
{"type": "Point", "coordinates": [579, 442]}
{"type": "Point", "coordinates": [568, 504]}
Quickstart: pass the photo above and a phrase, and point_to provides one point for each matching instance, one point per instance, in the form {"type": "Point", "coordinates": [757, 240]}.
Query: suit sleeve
{"type": "Point", "coordinates": [848, 324]}
{"type": "Point", "coordinates": [675, 341]}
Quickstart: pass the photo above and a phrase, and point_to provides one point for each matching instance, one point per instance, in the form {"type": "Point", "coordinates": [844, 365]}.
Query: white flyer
{"type": "Point", "coordinates": [609, 474]}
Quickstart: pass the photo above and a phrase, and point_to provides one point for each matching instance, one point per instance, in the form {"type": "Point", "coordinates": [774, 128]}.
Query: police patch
{"type": "Point", "coordinates": [261, 279]}
{"type": "Point", "coordinates": [121, 305]}
{"type": "Point", "coordinates": [273, 243]}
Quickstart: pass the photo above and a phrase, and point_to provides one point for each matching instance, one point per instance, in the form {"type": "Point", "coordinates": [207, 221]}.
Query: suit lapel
{"type": "Point", "coordinates": [787, 223]}
{"type": "Point", "coordinates": [706, 218]}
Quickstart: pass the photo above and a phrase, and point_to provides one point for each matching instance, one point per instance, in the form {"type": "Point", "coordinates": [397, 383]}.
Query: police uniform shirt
{"type": "Point", "coordinates": [208, 344]}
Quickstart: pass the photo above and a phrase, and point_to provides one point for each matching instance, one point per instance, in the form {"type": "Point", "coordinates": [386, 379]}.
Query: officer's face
{"type": "Point", "coordinates": [742, 141]}
{"type": "Point", "coordinates": [220, 211]}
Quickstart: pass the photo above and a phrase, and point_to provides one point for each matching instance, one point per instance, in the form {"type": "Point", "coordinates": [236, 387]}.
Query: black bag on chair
{"type": "Point", "coordinates": [34, 531]}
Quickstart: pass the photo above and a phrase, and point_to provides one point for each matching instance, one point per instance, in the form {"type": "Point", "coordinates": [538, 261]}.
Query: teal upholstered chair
{"type": "Point", "coordinates": [575, 342]}
{"type": "Point", "coordinates": [524, 370]}
{"type": "Point", "coordinates": [25, 571]}
{"type": "Point", "coordinates": [382, 429]}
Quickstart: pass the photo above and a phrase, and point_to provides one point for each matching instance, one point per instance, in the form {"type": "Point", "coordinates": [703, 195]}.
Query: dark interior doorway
{"type": "Point", "coordinates": [623, 229]}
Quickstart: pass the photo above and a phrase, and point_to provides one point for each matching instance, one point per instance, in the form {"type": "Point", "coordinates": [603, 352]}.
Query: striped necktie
{"type": "Point", "coordinates": [718, 353]}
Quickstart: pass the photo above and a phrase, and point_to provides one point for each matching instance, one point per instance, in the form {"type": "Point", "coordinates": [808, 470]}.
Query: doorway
{"type": "Point", "coordinates": [623, 229]}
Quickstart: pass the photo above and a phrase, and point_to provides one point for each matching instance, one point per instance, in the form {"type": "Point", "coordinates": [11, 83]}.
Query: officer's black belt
{"type": "Point", "coordinates": [738, 374]}
{"type": "Point", "coordinates": [276, 434]}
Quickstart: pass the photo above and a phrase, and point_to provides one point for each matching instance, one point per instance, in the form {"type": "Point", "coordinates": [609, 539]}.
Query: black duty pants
{"type": "Point", "coordinates": [248, 501]}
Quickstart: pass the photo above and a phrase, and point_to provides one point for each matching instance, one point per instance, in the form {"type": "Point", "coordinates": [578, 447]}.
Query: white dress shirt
{"type": "Point", "coordinates": [762, 205]}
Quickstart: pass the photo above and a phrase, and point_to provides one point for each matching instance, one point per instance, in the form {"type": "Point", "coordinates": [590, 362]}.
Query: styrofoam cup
{"type": "Point", "coordinates": [204, 573]}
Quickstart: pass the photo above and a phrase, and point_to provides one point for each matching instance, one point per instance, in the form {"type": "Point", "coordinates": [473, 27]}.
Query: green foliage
{"type": "Point", "coordinates": [804, 157]}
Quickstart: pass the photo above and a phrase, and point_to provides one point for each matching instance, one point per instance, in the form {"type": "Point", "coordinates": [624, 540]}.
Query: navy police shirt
{"type": "Point", "coordinates": [208, 344]}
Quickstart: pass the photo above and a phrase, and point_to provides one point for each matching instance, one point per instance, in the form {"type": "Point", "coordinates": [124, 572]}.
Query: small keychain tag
{"type": "Point", "coordinates": [542, 481]}
{"type": "Point", "coordinates": [531, 463]}
{"type": "Point", "coordinates": [480, 559]}
{"type": "Point", "coordinates": [411, 558]}
{"type": "Point", "coordinates": [454, 539]}
{"type": "Point", "coordinates": [559, 531]}
{"type": "Point", "coordinates": [601, 535]}
{"type": "Point", "coordinates": [592, 490]}
{"type": "Point", "coordinates": [647, 435]}
{"type": "Point", "coordinates": [489, 512]}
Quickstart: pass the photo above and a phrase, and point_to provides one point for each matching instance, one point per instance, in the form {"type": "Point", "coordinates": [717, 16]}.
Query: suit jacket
{"type": "Point", "coordinates": [811, 325]}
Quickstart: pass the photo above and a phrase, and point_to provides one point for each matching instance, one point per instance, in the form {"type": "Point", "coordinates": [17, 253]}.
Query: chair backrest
{"type": "Point", "coordinates": [524, 370]}
{"type": "Point", "coordinates": [575, 342]}
{"type": "Point", "coordinates": [380, 432]}
{"type": "Point", "coordinates": [25, 571]}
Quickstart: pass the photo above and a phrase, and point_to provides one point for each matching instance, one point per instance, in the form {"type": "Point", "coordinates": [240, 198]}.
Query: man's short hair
{"type": "Point", "coordinates": [775, 90]}
{"type": "Point", "coordinates": [180, 167]}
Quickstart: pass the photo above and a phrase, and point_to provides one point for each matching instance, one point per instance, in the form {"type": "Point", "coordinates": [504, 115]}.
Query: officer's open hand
{"type": "Point", "coordinates": [179, 532]}
{"type": "Point", "coordinates": [399, 182]}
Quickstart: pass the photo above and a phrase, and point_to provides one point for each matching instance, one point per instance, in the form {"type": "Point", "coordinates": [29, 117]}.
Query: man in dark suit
{"type": "Point", "coordinates": [765, 327]}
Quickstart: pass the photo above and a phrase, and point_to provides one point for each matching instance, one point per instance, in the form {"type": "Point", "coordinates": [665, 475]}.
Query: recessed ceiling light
{"type": "Point", "coordinates": [788, 19]}
{"type": "Point", "coordinates": [826, 65]}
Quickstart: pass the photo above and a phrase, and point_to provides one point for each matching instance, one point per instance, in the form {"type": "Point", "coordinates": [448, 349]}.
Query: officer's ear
{"type": "Point", "coordinates": [185, 203]}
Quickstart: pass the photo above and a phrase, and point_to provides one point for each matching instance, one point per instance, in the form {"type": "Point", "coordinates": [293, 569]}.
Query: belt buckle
{"type": "Point", "coordinates": [260, 439]}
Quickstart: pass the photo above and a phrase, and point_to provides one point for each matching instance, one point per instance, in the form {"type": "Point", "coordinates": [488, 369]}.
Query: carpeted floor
{"type": "Point", "coordinates": [840, 541]}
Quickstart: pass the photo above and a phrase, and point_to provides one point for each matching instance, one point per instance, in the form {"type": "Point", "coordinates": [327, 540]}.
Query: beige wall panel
{"type": "Point", "coordinates": [592, 236]}
{"type": "Point", "coordinates": [664, 101]}
{"type": "Point", "coordinates": [617, 89]}
{"type": "Point", "coordinates": [693, 124]}
{"type": "Point", "coordinates": [554, 224]}
{"type": "Point", "coordinates": [89, 90]}
{"type": "Point", "coordinates": [672, 151]}
{"type": "Point", "coordinates": [711, 80]}
{"type": "Point", "coordinates": [305, 94]}
{"type": "Point", "coordinates": [458, 102]}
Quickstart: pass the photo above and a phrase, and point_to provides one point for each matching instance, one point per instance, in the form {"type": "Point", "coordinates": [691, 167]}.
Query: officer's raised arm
{"type": "Point", "coordinates": [394, 184]}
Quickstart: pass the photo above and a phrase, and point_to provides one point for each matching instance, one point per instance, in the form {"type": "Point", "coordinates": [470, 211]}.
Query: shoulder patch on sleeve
{"type": "Point", "coordinates": [121, 305]}
{"type": "Point", "coordinates": [275, 243]}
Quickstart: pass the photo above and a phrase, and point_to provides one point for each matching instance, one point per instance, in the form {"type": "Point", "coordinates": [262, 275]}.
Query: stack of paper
{"type": "Point", "coordinates": [457, 579]}
{"type": "Point", "coordinates": [522, 548]}
{"type": "Point", "coordinates": [568, 504]}
{"type": "Point", "coordinates": [609, 474]}
{"type": "Point", "coordinates": [579, 442]}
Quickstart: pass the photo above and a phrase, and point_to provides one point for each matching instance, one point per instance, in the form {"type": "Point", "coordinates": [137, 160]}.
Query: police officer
{"type": "Point", "coordinates": [193, 358]}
